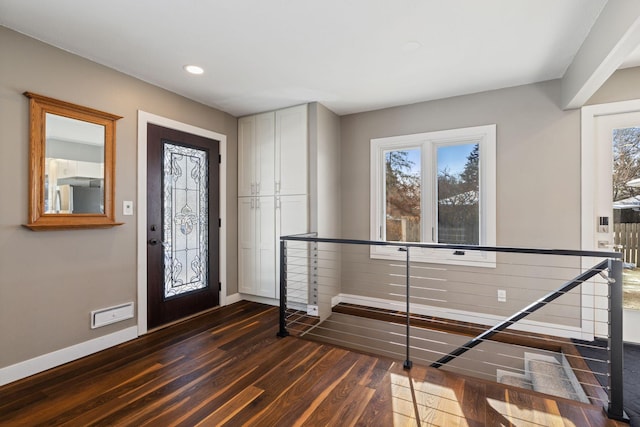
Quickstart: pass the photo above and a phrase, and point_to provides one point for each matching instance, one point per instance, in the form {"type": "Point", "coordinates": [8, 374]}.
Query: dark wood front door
{"type": "Point", "coordinates": [182, 224]}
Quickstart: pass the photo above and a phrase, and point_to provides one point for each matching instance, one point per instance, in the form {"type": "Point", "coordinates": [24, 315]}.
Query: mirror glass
{"type": "Point", "coordinates": [74, 166]}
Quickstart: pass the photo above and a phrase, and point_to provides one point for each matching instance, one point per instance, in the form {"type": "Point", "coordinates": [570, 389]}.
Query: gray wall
{"type": "Point", "coordinates": [623, 85]}
{"type": "Point", "coordinates": [538, 191]}
{"type": "Point", "coordinates": [325, 217]}
{"type": "Point", "coordinates": [50, 281]}
{"type": "Point", "coordinates": [538, 159]}
{"type": "Point", "coordinates": [325, 182]}
{"type": "Point", "coordinates": [538, 195]}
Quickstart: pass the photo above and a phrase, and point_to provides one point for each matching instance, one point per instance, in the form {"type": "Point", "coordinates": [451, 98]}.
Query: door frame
{"type": "Point", "coordinates": [145, 118]}
{"type": "Point", "coordinates": [589, 114]}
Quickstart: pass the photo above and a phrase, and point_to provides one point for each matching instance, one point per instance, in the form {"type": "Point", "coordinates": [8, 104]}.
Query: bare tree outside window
{"type": "Point", "coordinates": [458, 195]}
{"type": "Point", "coordinates": [402, 185]}
{"type": "Point", "coordinates": [626, 162]}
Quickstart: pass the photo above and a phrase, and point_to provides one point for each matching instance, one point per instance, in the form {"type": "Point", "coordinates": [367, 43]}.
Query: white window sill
{"type": "Point", "coordinates": [435, 256]}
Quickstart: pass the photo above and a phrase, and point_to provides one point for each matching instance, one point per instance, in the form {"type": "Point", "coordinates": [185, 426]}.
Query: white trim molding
{"type": "Point", "coordinates": [428, 144]}
{"type": "Point", "coordinates": [592, 302]}
{"type": "Point", "coordinates": [259, 299]}
{"type": "Point", "coordinates": [59, 357]}
{"type": "Point", "coordinates": [614, 35]}
{"type": "Point", "coordinates": [233, 298]}
{"type": "Point", "coordinates": [144, 119]}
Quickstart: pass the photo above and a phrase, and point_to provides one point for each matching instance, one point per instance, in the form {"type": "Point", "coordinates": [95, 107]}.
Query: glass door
{"type": "Point", "coordinates": [618, 141]}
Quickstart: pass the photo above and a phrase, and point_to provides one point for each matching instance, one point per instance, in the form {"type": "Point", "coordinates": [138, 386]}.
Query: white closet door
{"type": "Point", "coordinates": [265, 154]}
{"type": "Point", "coordinates": [291, 150]}
{"type": "Point", "coordinates": [266, 243]}
{"type": "Point", "coordinates": [246, 245]}
{"type": "Point", "coordinates": [246, 156]}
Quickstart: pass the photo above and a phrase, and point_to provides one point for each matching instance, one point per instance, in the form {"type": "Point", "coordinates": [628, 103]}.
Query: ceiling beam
{"type": "Point", "coordinates": [615, 34]}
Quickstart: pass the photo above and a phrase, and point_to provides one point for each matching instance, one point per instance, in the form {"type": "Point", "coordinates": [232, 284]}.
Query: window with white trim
{"type": "Point", "coordinates": [435, 187]}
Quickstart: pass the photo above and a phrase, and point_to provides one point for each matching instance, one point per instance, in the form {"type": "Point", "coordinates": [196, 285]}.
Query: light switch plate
{"type": "Point", "coordinates": [127, 207]}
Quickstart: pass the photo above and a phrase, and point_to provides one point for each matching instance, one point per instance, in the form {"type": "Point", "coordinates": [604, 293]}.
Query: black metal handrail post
{"type": "Point", "coordinates": [408, 364]}
{"type": "Point", "coordinates": [283, 289]}
{"type": "Point", "coordinates": [615, 346]}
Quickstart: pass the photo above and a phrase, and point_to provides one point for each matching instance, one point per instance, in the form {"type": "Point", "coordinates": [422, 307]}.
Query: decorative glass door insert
{"type": "Point", "coordinates": [185, 219]}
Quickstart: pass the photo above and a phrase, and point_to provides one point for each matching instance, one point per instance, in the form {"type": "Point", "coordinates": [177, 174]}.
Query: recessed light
{"type": "Point", "coordinates": [193, 69]}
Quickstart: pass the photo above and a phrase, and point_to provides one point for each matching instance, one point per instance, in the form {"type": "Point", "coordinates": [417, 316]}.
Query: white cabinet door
{"type": "Point", "coordinates": [264, 150]}
{"type": "Point", "coordinates": [256, 246]}
{"type": "Point", "coordinates": [246, 245]}
{"type": "Point", "coordinates": [291, 150]}
{"type": "Point", "coordinates": [89, 169]}
{"type": "Point", "coordinates": [292, 218]}
{"type": "Point", "coordinates": [266, 244]}
{"type": "Point", "coordinates": [272, 188]}
{"type": "Point", "coordinates": [246, 156]}
{"type": "Point", "coordinates": [293, 215]}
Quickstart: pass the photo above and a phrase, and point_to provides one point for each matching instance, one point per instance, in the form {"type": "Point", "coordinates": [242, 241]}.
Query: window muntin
{"type": "Point", "coordinates": [439, 186]}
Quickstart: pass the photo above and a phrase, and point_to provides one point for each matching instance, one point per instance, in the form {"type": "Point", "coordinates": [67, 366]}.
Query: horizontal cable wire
{"type": "Point", "coordinates": [400, 337]}
{"type": "Point", "coordinates": [399, 343]}
{"type": "Point", "coordinates": [337, 270]}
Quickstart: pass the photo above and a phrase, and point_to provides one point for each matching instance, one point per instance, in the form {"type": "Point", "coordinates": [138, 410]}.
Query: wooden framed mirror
{"type": "Point", "coordinates": [71, 165]}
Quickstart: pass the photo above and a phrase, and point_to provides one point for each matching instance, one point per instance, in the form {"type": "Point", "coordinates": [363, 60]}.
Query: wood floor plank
{"type": "Point", "coordinates": [227, 367]}
{"type": "Point", "coordinates": [338, 403]}
{"type": "Point", "coordinates": [446, 409]}
{"type": "Point", "coordinates": [157, 393]}
{"type": "Point", "coordinates": [279, 378]}
{"type": "Point", "coordinates": [473, 402]}
{"type": "Point", "coordinates": [380, 410]}
{"type": "Point", "coordinates": [219, 392]}
{"type": "Point", "coordinates": [292, 403]}
{"type": "Point", "coordinates": [231, 408]}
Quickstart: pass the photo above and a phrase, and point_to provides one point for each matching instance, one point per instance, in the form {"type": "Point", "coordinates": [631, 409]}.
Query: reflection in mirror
{"type": "Point", "coordinates": [74, 166]}
{"type": "Point", "coordinates": [71, 165]}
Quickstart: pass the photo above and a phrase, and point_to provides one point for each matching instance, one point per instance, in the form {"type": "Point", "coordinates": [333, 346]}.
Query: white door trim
{"type": "Point", "coordinates": [145, 118]}
{"type": "Point", "coordinates": [589, 114]}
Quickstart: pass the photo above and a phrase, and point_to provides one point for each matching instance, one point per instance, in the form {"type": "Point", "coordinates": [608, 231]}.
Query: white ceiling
{"type": "Point", "coordinates": [350, 55]}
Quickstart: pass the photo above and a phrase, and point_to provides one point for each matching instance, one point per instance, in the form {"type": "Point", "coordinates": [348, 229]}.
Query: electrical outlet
{"type": "Point", "coordinates": [502, 295]}
{"type": "Point", "coordinates": [312, 310]}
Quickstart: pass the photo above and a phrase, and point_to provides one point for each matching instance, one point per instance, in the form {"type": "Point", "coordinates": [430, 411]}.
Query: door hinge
{"type": "Point", "coordinates": [219, 222]}
{"type": "Point", "coordinates": [220, 158]}
{"type": "Point", "coordinates": [220, 286]}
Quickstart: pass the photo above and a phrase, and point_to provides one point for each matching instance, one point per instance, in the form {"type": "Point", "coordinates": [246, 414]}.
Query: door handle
{"type": "Point", "coordinates": [154, 242]}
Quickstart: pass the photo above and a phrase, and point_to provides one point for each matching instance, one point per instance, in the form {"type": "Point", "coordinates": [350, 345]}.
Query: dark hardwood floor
{"type": "Point", "coordinates": [227, 367]}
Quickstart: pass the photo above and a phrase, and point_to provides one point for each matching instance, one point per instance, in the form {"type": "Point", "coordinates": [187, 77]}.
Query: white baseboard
{"type": "Point", "coordinates": [59, 357]}
{"type": "Point", "coordinates": [261, 300]}
{"type": "Point", "coordinates": [232, 299]}
{"type": "Point", "coordinates": [462, 315]}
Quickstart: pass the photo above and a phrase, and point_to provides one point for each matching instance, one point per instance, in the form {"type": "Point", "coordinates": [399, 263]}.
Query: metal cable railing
{"type": "Point", "coordinates": [334, 290]}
